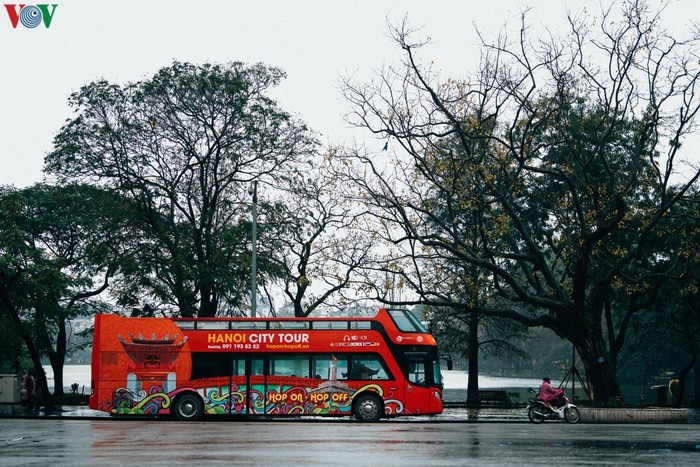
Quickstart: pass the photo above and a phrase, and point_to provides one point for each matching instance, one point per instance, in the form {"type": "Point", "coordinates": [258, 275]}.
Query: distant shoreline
{"type": "Point", "coordinates": [453, 379]}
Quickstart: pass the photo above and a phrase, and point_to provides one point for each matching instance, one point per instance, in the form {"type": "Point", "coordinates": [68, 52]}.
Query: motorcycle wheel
{"type": "Point", "coordinates": [572, 415]}
{"type": "Point", "coordinates": [534, 416]}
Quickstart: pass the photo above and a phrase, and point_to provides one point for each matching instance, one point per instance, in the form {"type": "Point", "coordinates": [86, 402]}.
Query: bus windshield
{"type": "Point", "coordinates": [437, 375]}
{"type": "Point", "coordinates": [406, 322]}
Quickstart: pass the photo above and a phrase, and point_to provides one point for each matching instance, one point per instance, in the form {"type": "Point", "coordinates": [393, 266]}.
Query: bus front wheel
{"type": "Point", "coordinates": [188, 407]}
{"type": "Point", "coordinates": [368, 408]}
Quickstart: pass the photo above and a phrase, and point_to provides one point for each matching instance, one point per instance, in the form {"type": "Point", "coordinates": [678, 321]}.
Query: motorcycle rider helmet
{"type": "Point", "coordinates": [547, 378]}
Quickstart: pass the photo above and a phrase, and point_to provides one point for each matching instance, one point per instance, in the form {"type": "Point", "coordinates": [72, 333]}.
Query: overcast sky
{"type": "Point", "coordinates": [315, 42]}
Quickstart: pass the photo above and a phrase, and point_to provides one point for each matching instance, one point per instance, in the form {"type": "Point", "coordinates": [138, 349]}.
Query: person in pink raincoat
{"type": "Point", "coordinates": [548, 393]}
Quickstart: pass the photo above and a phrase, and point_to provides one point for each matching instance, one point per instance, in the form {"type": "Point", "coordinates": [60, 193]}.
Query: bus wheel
{"type": "Point", "coordinates": [188, 407]}
{"type": "Point", "coordinates": [368, 408]}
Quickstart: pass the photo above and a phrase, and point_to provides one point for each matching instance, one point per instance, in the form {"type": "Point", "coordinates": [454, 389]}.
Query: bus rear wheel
{"type": "Point", "coordinates": [368, 408]}
{"type": "Point", "coordinates": [188, 407]}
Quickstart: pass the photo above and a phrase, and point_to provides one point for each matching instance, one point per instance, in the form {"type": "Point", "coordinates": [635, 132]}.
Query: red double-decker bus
{"type": "Point", "coordinates": [383, 366]}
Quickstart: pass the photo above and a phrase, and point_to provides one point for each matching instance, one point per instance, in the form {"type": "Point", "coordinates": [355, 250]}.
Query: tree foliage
{"type": "Point", "coordinates": [59, 247]}
{"type": "Point", "coordinates": [667, 334]}
{"type": "Point", "coordinates": [183, 147]}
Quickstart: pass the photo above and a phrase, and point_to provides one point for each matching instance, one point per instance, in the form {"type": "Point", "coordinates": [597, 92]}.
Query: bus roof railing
{"type": "Point", "coordinates": [404, 320]}
{"type": "Point", "coordinates": [281, 323]}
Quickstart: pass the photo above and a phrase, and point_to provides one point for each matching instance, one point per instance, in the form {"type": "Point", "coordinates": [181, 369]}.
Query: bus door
{"type": "Point", "coordinates": [287, 384]}
{"type": "Point", "coordinates": [239, 386]}
{"type": "Point", "coordinates": [256, 387]}
{"type": "Point", "coordinates": [417, 395]}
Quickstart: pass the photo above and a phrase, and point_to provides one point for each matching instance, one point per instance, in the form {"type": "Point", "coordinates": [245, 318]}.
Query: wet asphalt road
{"type": "Point", "coordinates": [60, 442]}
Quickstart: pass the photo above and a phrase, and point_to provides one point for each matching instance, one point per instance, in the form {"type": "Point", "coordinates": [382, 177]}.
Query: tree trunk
{"type": "Point", "coordinates": [58, 358]}
{"type": "Point", "coordinates": [682, 375]}
{"type": "Point", "coordinates": [302, 285]}
{"type": "Point", "coordinates": [42, 384]}
{"type": "Point", "coordinates": [473, 360]}
{"type": "Point", "coordinates": [207, 306]}
{"type": "Point", "coordinates": [31, 348]}
{"type": "Point", "coordinates": [57, 365]}
{"type": "Point", "coordinates": [600, 373]}
{"type": "Point", "coordinates": [185, 301]}
{"type": "Point", "coordinates": [298, 310]}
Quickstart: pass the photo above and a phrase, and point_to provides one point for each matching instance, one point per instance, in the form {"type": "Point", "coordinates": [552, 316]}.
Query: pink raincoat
{"type": "Point", "coordinates": [548, 393]}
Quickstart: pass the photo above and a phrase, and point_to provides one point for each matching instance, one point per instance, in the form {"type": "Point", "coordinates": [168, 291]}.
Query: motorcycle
{"type": "Point", "coordinates": [538, 411]}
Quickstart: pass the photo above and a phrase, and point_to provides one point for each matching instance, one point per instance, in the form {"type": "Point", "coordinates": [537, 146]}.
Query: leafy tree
{"type": "Point", "coordinates": [683, 319]}
{"type": "Point", "coordinates": [671, 326]}
{"type": "Point", "coordinates": [13, 353]}
{"type": "Point", "coordinates": [576, 166]}
{"type": "Point", "coordinates": [59, 250]}
{"type": "Point", "coordinates": [183, 147]}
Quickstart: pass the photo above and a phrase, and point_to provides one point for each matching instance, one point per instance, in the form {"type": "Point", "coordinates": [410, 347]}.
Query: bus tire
{"type": "Point", "coordinates": [368, 408]}
{"type": "Point", "coordinates": [188, 407]}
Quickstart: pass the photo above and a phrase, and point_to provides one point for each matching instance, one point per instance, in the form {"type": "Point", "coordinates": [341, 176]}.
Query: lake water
{"type": "Point", "coordinates": [453, 379]}
{"type": "Point", "coordinates": [458, 380]}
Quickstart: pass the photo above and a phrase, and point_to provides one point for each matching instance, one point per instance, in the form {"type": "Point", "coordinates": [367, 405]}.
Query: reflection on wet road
{"type": "Point", "coordinates": [341, 442]}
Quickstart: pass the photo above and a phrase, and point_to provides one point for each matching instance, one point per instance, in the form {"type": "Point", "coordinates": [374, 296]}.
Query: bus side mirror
{"type": "Point", "coordinates": [449, 363]}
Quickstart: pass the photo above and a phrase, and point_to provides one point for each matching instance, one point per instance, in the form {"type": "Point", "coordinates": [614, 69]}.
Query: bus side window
{"type": "Point", "coordinates": [210, 365]}
{"type": "Point", "coordinates": [289, 365]}
{"type": "Point", "coordinates": [367, 367]}
{"type": "Point", "coordinates": [328, 366]}
{"type": "Point", "coordinates": [257, 366]}
{"type": "Point", "coordinates": [238, 368]}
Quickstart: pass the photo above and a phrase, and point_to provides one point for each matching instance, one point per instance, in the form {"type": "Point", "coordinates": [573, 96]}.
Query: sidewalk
{"type": "Point", "coordinates": [449, 415]}
{"type": "Point", "coordinates": [59, 411]}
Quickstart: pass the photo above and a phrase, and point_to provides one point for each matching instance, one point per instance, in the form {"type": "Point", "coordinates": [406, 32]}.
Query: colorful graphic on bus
{"type": "Point", "coordinates": [370, 368]}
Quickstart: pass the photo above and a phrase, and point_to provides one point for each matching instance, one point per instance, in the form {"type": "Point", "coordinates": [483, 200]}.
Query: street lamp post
{"type": "Point", "coordinates": [253, 190]}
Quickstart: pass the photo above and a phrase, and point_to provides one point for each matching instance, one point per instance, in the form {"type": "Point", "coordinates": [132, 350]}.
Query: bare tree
{"type": "Point", "coordinates": [319, 243]}
{"type": "Point", "coordinates": [566, 151]}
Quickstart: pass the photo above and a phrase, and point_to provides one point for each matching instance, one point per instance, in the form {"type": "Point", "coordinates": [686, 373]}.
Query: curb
{"type": "Point", "coordinates": [450, 415]}
{"type": "Point", "coordinates": [631, 415]}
